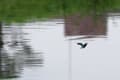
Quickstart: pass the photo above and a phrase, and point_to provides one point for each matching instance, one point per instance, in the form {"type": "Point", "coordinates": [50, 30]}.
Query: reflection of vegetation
{"type": "Point", "coordinates": [15, 53]}
{"type": "Point", "coordinates": [32, 58]}
{"type": "Point", "coordinates": [8, 67]}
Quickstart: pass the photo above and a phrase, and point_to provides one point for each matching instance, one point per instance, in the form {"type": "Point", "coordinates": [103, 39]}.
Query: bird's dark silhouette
{"type": "Point", "coordinates": [83, 45]}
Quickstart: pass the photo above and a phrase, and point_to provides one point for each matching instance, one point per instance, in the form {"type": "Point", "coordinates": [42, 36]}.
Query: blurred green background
{"type": "Point", "coordinates": [24, 10]}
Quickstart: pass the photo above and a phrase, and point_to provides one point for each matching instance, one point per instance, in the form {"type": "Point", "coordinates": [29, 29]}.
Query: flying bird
{"type": "Point", "coordinates": [83, 45]}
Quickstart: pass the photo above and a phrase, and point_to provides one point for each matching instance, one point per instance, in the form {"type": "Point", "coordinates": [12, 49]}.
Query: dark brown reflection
{"type": "Point", "coordinates": [87, 25]}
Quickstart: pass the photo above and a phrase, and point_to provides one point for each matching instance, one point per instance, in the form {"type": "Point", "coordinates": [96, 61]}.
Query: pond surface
{"type": "Point", "coordinates": [63, 59]}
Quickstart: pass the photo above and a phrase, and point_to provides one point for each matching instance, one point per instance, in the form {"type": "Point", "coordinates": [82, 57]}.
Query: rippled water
{"type": "Point", "coordinates": [51, 58]}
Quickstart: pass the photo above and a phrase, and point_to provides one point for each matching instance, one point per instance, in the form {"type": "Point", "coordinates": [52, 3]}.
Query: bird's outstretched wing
{"type": "Point", "coordinates": [82, 45]}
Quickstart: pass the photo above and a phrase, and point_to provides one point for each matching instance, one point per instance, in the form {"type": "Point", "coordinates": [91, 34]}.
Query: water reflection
{"type": "Point", "coordinates": [51, 41]}
{"type": "Point", "coordinates": [16, 53]}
